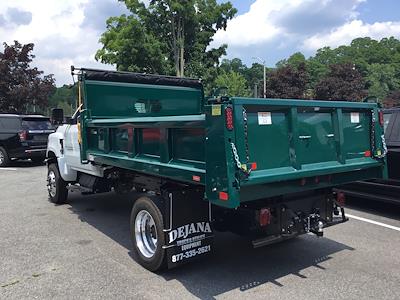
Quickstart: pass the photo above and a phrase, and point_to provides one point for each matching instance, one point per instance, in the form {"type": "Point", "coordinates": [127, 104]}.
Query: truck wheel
{"type": "Point", "coordinates": [147, 234]}
{"type": "Point", "coordinates": [4, 159]}
{"type": "Point", "coordinates": [56, 186]}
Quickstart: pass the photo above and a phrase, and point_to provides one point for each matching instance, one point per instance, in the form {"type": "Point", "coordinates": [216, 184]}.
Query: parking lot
{"type": "Point", "coordinates": [82, 249]}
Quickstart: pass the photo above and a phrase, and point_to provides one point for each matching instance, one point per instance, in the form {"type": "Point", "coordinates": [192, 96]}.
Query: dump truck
{"type": "Point", "coordinates": [262, 168]}
{"type": "Point", "coordinates": [378, 189]}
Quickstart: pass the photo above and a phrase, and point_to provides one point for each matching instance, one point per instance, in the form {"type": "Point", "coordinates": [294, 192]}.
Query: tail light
{"type": "Point", "coordinates": [23, 135]}
{"type": "Point", "coordinates": [229, 118]}
{"type": "Point", "coordinates": [341, 198]}
{"type": "Point", "coordinates": [223, 196]}
{"type": "Point", "coordinates": [265, 216]}
{"type": "Point", "coordinates": [381, 120]}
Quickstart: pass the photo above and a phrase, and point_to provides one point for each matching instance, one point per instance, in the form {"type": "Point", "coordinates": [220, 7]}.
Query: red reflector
{"type": "Point", "coordinates": [223, 196]}
{"type": "Point", "coordinates": [381, 120]}
{"type": "Point", "coordinates": [265, 216]}
{"type": "Point", "coordinates": [229, 118]}
{"type": "Point", "coordinates": [196, 178]}
{"type": "Point", "coordinates": [341, 198]}
{"type": "Point", "coordinates": [253, 166]}
{"type": "Point", "coordinates": [367, 153]}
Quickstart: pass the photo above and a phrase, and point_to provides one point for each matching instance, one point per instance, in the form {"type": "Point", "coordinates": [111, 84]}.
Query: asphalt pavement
{"type": "Point", "coordinates": [81, 250]}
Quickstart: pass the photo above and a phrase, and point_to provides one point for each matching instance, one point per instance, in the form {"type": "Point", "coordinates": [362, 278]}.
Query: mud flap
{"type": "Point", "coordinates": [188, 232]}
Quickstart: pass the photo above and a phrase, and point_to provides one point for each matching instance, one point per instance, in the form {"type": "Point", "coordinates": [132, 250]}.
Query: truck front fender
{"type": "Point", "coordinates": [55, 151]}
{"type": "Point", "coordinates": [66, 172]}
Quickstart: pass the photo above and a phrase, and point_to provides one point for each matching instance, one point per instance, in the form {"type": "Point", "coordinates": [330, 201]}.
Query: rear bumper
{"type": "Point", "coordinates": [282, 237]}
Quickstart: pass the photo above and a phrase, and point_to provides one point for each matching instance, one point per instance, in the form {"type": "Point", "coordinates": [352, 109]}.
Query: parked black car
{"type": "Point", "coordinates": [23, 136]}
{"type": "Point", "coordinates": [378, 189]}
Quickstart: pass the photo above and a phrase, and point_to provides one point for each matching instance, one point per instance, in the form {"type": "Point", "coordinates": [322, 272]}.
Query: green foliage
{"type": "Point", "coordinates": [166, 37]}
{"type": "Point", "coordinates": [253, 75]}
{"type": "Point", "coordinates": [347, 72]}
{"type": "Point", "coordinates": [377, 61]}
{"type": "Point", "coordinates": [381, 79]}
{"type": "Point", "coordinates": [172, 37]}
{"type": "Point", "coordinates": [234, 82]}
{"type": "Point", "coordinates": [295, 60]}
{"type": "Point", "coordinates": [64, 97]}
{"type": "Point", "coordinates": [22, 88]}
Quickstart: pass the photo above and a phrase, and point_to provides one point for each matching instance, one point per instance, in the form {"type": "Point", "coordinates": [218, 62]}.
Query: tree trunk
{"type": "Point", "coordinates": [178, 45]}
{"type": "Point", "coordinates": [182, 50]}
{"type": "Point", "coordinates": [182, 61]}
{"type": "Point", "coordinates": [175, 48]}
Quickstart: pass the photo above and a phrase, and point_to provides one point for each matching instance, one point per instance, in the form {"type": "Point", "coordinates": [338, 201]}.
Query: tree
{"type": "Point", "coordinates": [343, 82]}
{"type": "Point", "coordinates": [235, 65]}
{"type": "Point", "coordinates": [166, 36]}
{"type": "Point", "coordinates": [295, 60]}
{"type": "Point", "coordinates": [64, 97]}
{"type": "Point", "coordinates": [234, 82]}
{"type": "Point", "coordinates": [362, 52]}
{"type": "Point", "coordinates": [255, 76]}
{"type": "Point", "coordinates": [381, 79]}
{"type": "Point", "coordinates": [287, 82]}
{"type": "Point", "coordinates": [22, 87]}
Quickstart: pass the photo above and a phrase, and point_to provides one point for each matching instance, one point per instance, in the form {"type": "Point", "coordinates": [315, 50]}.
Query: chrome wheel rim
{"type": "Point", "coordinates": [51, 183]}
{"type": "Point", "coordinates": [1, 157]}
{"type": "Point", "coordinates": [145, 234]}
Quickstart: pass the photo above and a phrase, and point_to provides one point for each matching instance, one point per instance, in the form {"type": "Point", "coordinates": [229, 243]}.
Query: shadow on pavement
{"type": "Point", "coordinates": [376, 207]}
{"type": "Point", "coordinates": [234, 264]}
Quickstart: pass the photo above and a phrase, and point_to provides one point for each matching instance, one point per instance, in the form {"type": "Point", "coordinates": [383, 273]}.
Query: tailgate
{"type": "Point", "coordinates": [286, 146]}
{"type": "Point", "coordinates": [303, 138]}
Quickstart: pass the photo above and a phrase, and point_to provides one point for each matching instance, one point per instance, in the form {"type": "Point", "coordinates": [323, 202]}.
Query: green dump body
{"type": "Point", "coordinates": [282, 146]}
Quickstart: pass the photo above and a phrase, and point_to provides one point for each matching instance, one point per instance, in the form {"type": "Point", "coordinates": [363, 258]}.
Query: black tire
{"type": "Point", "coordinates": [4, 159]}
{"type": "Point", "coordinates": [157, 261]}
{"type": "Point", "coordinates": [60, 194]}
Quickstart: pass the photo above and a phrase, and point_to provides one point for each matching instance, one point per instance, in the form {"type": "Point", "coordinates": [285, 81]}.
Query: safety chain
{"type": "Point", "coordinates": [385, 150]}
{"type": "Point", "coordinates": [246, 139]}
{"type": "Point", "coordinates": [239, 165]}
{"type": "Point", "coordinates": [373, 142]}
{"type": "Point", "coordinates": [236, 156]}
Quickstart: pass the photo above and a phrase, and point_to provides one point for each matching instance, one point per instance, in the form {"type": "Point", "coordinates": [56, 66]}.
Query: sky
{"type": "Point", "coordinates": [66, 32]}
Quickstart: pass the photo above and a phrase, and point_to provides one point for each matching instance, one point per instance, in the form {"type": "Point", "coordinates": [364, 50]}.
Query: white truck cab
{"type": "Point", "coordinates": [66, 170]}
{"type": "Point", "coordinates": [64, 146]}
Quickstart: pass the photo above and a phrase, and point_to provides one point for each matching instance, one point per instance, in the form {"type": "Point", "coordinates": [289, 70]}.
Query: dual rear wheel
{"type": "Point", "coordinates": [147, 234]}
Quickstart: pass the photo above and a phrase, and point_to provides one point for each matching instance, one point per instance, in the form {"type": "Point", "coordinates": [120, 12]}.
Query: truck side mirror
{"type": "Point", "coordinates": [57, 116]}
